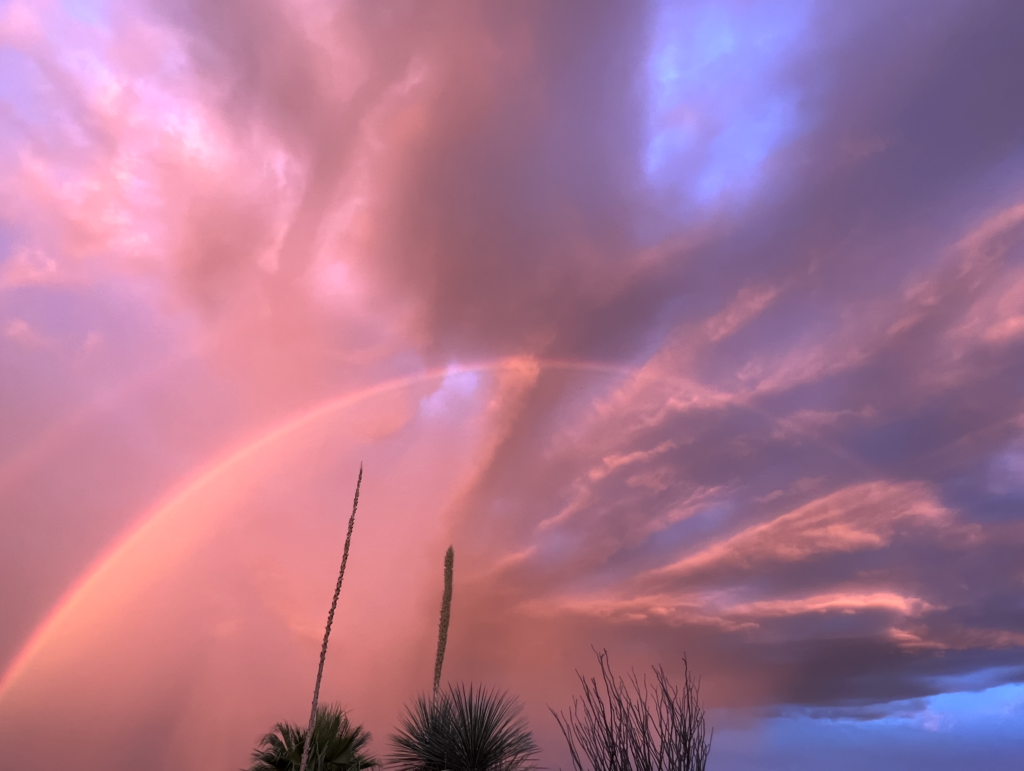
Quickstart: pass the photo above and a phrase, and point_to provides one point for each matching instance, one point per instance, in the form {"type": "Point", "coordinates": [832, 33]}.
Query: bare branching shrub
{"type": "Point", "coordinates": [637, 726]}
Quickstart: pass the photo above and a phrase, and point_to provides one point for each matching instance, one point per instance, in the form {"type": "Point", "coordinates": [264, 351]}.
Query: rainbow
{"type": "Point", "coordinates": [155, 516]}
{"type": "Point", "coordinates": [220, 465]}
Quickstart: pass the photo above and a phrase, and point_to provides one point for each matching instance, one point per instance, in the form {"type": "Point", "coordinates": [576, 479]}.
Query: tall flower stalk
{"type": "Point", "coordinates": [446, 615]}
{"type": "Point", "coordinates": [330, 620]}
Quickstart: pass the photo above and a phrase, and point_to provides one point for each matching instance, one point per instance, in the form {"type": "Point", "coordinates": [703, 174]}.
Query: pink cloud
{"type": "Point", "coordinates": [837, 602]}
{"type": "Point", "coordinates": [861, 517]}
{"type": "Point", "coordinates": [21, 332]}
{"type": "Point", "coordinates": [749, 303]}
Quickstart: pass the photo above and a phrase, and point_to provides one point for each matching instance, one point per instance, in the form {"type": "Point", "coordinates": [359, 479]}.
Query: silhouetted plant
{"type": "Point", "coordinates": [460, 728]}
{"type": "Point", "coordinates": [463, 729]}
{"type": "Point", "coordinates": [337, 745]}
{"type": "Point", "coordinates": [330, 618]}
{"type": "Point", "coordinates": [637, 727]}
{"type": "Point", "coordinates": [446, 615]}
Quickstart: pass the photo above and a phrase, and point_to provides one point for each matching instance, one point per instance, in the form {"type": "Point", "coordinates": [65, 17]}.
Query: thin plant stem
{"type": "Point", "coordinates": [637, 725]}
{"type": "Point", "coordinates": [330, 620]}
{"type": "Point", "coordinates": [446, 615]}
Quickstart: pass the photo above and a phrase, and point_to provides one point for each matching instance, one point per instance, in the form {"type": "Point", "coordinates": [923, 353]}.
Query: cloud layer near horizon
{"type": "Point", "coordinates": [695, 327]}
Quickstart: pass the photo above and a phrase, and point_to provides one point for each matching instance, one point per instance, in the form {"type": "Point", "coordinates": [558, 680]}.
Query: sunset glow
{"type": "Point", "coordinates": [695, 327]}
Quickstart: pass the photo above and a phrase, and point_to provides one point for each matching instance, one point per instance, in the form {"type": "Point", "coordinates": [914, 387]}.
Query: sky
{"type": "Point", "coordinates": [697, 328]}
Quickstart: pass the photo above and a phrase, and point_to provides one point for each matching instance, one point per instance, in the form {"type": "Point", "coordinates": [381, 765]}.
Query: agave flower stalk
{"type": "Point", "coordinates": [446, 615]}
{"type": "Point", "coordinates": [330, 620]}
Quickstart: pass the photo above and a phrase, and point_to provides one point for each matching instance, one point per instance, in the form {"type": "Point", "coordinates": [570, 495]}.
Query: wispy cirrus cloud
{"type": "Point", "coordinates": [860, 517]}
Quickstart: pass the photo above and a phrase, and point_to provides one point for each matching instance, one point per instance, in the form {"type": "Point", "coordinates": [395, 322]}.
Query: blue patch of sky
{"type": "Point", "coordinates": [968, 729]}
{"type": "Point", "coordinates": [455, 388]}
{"type": "Point", "coordinates": [25, 88]}
{"type": "Point", "coordinates": [718, 107]}
{"type": "Point", "coordinates": [977, 681]}
{"type": "Point", "coordinates": [20, 81]}
{"type": "Point", "coordinates": [93, 12]}
{"type": "Point", "coordinates": [7, 241]}
{"type": "Point", "coordinates": [688, 534]}
{"type": "Point", "coordinates": [114, 308]}
{"type": "Point", "coordinates": [1006, 472]}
